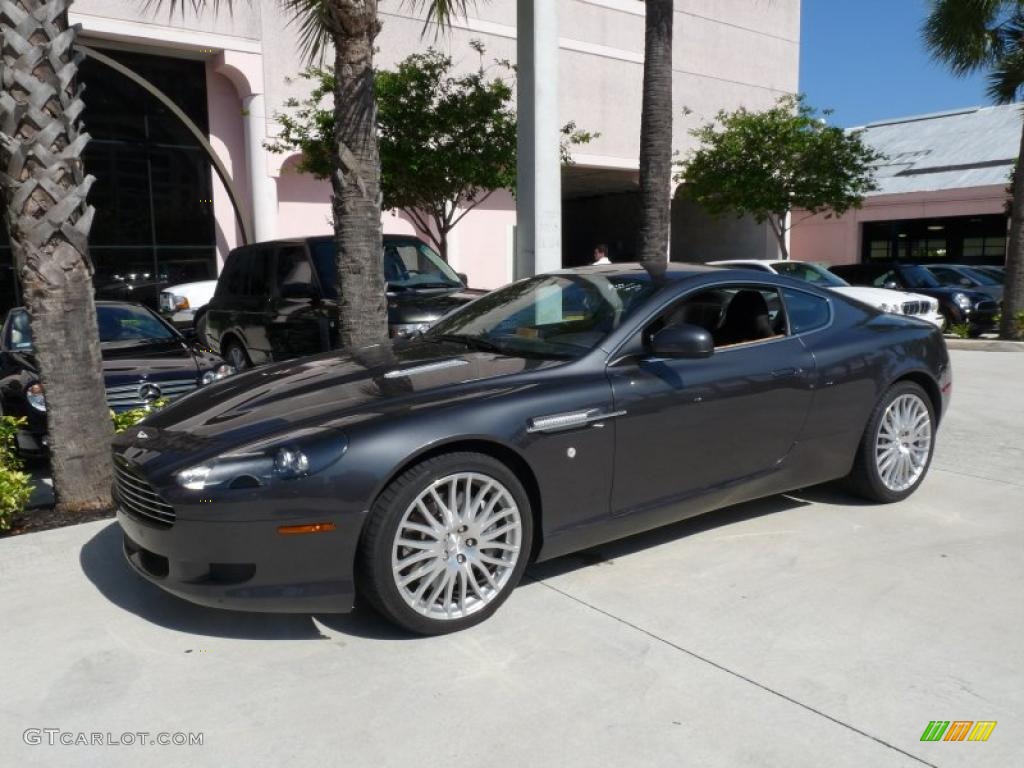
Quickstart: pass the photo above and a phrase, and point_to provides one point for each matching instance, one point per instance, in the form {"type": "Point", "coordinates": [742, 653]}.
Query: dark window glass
{"type": "Point", "coordinates": [293, 267]}
{"type": "Point", "coordinates": [806, 312]}
{"type": "Point", "coordinates": [258, 269]}
{"type": "Point", "coordinates": [232, 279]}
{"type": "Point", "coordinates": [326, 267]}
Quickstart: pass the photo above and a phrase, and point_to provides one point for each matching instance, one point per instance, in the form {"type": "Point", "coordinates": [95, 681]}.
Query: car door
{"type": "Point", "coordinates": [687, 428]}
{"type": "Point", "coordinates": [299, 324]}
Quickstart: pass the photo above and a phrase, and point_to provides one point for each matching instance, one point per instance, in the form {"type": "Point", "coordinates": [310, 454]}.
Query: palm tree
{"type": "Point", "coordinates": [970, 36]}
{"type": "Point", "coordinates": [44, 190]}
{"type": "Point", "coordinates": [656, 132]}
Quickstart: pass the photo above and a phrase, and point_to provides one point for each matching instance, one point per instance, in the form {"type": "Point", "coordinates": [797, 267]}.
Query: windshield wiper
{"type": "Point", "coordinates": [473, 342]}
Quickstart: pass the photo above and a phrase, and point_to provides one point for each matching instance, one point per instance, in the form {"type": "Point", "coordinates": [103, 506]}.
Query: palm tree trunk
{"type": "Point", "coordinates": [1013, 292]}
{"type": "Point", "coordinates": [656, 133]}
{"type": "Point", "coordinates": [362, 309]}
{"type": "Point", "coordinates": [44, 188]}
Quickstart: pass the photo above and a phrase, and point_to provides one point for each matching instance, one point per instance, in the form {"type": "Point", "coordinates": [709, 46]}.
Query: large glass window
{"type": "Point", "coordinates": [952, 239]}
{"type": "Point", "coordinates": [154, 222]}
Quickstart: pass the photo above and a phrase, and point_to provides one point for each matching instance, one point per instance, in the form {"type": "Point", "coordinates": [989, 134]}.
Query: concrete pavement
{"type": "Point", "coordinates": [801, 630]}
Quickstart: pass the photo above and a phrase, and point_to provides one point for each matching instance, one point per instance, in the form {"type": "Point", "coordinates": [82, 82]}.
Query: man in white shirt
{"type": "Point", "coordinates": [601, 254]}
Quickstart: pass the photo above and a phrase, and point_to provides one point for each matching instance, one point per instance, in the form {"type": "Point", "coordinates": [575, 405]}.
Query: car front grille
{"type": "Point", "coordinates": [138, 498]}
{"type": "Point", "coordinates": [131, 395]}
{"type": "Point", "coordinates": [986, 306]}
{"type": "Point", "coordinates": [915, 307]}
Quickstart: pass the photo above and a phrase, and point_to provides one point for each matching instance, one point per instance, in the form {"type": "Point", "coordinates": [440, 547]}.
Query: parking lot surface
{"type": "Point", "coordinates": [801, 630]}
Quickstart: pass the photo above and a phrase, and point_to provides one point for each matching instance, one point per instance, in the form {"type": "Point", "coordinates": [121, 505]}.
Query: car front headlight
{"type": "Point", "coordinates": [300, 454]}
{"type": "Point", "coordinates": [222, 371]}
{"type": "Point", "coordinates": [405, 330]}
{"type": "Point", "coordinates": [34, 395]}
{"type": "Point", "coordinates": [963, 300]}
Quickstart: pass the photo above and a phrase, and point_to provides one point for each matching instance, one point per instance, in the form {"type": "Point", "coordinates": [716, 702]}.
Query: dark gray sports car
{"type": "Point", "coordinates": [554, 414]}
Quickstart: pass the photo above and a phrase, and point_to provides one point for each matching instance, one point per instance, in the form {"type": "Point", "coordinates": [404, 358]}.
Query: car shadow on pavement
{"type": "Point", "coordinates": [607, 553]}
{"type": "Point", "coordinates": [103, 563]}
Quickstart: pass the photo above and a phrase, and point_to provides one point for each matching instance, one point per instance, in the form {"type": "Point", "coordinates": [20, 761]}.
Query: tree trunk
{"type": "Point", "coordinates": [48, 219]}
{"type": "Point", "coordinates": [362, 309]}
{"type": "Point", "coordinates": [656, 132]}
{"type": "Point", "coordinates": [776, 225]}
{"type": "Point", "coordinates": [1013, 292]}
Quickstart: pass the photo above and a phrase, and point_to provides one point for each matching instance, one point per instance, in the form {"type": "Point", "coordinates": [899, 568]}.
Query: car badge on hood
{"type": "Point", "coordinates": [142, 435]}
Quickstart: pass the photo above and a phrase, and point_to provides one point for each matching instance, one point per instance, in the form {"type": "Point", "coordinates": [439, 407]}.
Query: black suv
{"type": "Point", "coordinates": [957, 305]}
{"type": "Point", "coordinates": [277, 300]}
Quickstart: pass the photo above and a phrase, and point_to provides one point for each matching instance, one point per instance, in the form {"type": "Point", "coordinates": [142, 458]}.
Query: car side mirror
{"type": "Point", "coordinates": [464, 278]}
{"type": "Point", "coordinates": [892, 285]}
{"type": "Point", "coordinates": [682, 342]}
{"type": "Point", "coordinates": [300, 291]}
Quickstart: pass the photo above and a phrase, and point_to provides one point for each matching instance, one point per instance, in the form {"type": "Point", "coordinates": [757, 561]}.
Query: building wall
{"type": "Point", "coordinates": [728, 53]}
{"type": "Point", "coordinates": [837, 240]}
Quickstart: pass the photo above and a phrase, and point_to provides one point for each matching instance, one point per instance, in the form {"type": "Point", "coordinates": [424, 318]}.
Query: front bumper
{"type": "Point", "coordinates": [247, 565]}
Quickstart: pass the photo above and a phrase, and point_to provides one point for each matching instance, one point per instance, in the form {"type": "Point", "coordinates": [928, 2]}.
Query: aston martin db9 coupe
{"type": "Point", "coordinates": [554, 414]}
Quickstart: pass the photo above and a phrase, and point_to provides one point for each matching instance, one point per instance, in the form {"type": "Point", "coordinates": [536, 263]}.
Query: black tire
{"type": "Point", "coordinates": [375, 581]}
{"type": "Point", "coordinates": [865, 478]}
{"type": "Point", "coordinates": [235, 354]}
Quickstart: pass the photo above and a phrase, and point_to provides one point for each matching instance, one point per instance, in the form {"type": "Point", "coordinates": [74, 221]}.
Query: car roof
{"type": "Point", "coordinates": [319, 238]}
{"type": "Point", "coordinates": [673, 270]}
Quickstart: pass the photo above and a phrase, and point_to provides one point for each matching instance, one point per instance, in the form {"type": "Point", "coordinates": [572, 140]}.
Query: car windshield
{"type": "Point", "coordinates": [117, 323]}
{"type": "Point", "coordinates": [408, 265]}
{"type": "Point", "coordinates": [919, 277]}
{"type": "Point", "coordinates": [557, 316]}
{"type": "Point", "coordinates": [983, 278]}
{"type": "Point", "coordinates": [810, 273]}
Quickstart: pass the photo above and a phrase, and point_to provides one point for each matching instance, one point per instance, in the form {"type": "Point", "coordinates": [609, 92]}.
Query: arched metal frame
{"type": "Point", "coordinates": [241, 213]}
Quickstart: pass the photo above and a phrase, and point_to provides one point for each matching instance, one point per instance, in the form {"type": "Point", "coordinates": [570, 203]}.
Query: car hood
{"type": "Point", "coordinates": [329, 390]}
{"type": "Point", "coordinates": [425, 306]}
{"type": "Point", "coordinates": [878, 296]}
{"type": "Point", "coordinates": [153, 361]}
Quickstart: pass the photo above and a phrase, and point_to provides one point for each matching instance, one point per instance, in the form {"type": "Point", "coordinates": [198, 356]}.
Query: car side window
{"type": "Point", "coordinates": [258, 277]}
{"type": "Point", "coordinates": [231, 282]}
{"type": "Point", "coordinates": [293, 267]}
{"type": "Point", "coordinates": [733, 315]}
{"type": "Point", "coordinates": [806, 311]}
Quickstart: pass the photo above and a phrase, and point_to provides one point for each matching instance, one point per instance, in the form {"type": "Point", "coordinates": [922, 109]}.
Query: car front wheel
{"type": "Point", "coordinates": [446, 543]}
{"type": "Point", "coordinates": [896, 449]}
{"type": "Point", "coordinates": [236, 355]}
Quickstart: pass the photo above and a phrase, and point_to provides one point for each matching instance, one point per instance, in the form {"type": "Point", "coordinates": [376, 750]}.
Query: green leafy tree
{"type": "Point", "coordinates": [988, 35]}
{"type": "Point", "coordinates": [763, 164]}
{"type": "Point", "coordinates": [447, 140]}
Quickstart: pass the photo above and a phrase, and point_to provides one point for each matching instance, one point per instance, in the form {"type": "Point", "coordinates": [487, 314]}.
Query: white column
{"type": "Point", "coordinates": [539, 185]}
{"type": "Point", "coordinates": [262, 184]}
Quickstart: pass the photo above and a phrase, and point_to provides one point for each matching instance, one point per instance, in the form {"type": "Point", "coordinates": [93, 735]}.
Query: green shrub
{"type": "Point", "coordinates": [15, 485]}
{"type": "Point", "coordinates": [960, 330]}
{"type": "Point", "coordinates": [128, 419]}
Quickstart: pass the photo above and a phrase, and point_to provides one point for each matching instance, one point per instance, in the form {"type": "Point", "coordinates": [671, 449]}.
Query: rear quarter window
{"type": "Point", "coordinates": [806, 311]}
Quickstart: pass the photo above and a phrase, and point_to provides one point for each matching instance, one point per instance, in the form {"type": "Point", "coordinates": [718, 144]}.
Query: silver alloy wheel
{"type": "Point", "coordinates": [236, 356]}
{"type": "Point", "coordinates": [456, 546]}
{"type": "Point", "coordinates": [904, 442]}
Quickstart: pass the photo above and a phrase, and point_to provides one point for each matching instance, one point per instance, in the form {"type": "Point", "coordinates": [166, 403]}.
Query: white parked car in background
{"type": "Point", "coordinates": [180, 303]}
{"type": "Point", "coordinates": [885, 299]}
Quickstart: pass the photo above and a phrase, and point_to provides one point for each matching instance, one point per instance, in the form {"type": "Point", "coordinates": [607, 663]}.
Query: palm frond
{"type": "Point", "coordinates": [312, 18]}
{"type": "Point", "coordinates": [196, 6]}
{"type": "Point", "coordinates": [441, 13]}
{"type": "Point", "coordinates": [964, 34]}
{"type": "Point", "coordinates": [1006, 78]}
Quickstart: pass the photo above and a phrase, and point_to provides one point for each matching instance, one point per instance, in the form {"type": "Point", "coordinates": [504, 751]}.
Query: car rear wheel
{"type": "Point", "coordinates": [896, 449]}
{"type": "Point", "coordinates": [236, 355]}
{"type": "Point", "coordinates": [445, 543]}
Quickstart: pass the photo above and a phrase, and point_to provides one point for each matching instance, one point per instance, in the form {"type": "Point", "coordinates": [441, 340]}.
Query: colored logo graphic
{"type": "Point", "coordinates": [958, 730]}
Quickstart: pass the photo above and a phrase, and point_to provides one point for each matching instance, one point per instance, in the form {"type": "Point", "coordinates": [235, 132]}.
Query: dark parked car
{"type": "Point", "coordinates": [144, 359]}
{"type": "Point", "coordinates": [277, 300]}
{"type": "Point", "coordinates": [958, 305]}
{"type": "Point", "coordinates": [960, 276]}
{"type": "Point", "coordinates": [551, 415]}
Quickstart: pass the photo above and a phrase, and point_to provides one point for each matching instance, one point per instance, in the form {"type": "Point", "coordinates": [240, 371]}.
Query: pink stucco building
{"type": "Point", "coordinates": [942, 193]}
{"type": "Point", "coordinates": [163, 216]}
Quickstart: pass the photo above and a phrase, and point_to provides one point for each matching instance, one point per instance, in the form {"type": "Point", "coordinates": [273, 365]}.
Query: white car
{"type": "Point", "coordinates": [179, 303]}
{"type": "Point", "coordinates": [894, 302]}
